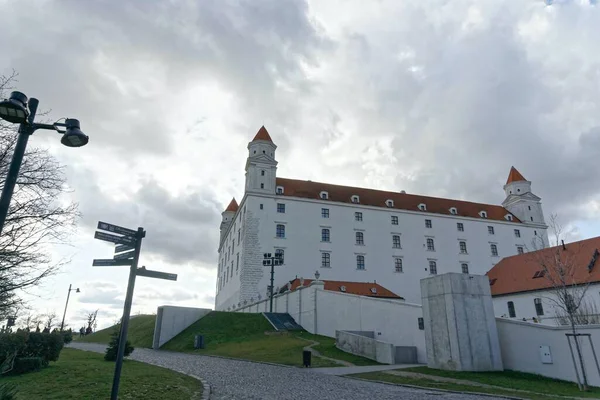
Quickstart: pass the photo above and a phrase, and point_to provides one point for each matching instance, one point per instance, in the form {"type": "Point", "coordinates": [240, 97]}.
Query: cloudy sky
{"type": "Point", "coordinates": [433, 97]}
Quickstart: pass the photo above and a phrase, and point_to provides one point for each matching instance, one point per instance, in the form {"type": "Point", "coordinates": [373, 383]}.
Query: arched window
{"type": "Point", "coordinates": [360, 262]}
{"type": "Point", "coordinates": [494, 249]}
{"type": "Point", "coordinates": [463, 247]}
{"type": "Point", "coordinates": [325, 235]}
{"type": "Point", "coordinates": [360, 238]}
{"type": "Point", "coordinates": [396, 241]}
{"type": "Point", "coordinates": [280, 231]}
{"type": "Point", "coordinates": [430, 244]}
{"type": "Point", "coordinates": [398, 264]}
{"type": "Point", "coordinates": [465, 268]}
{"type": "Point", "coordinates": [432, 267]}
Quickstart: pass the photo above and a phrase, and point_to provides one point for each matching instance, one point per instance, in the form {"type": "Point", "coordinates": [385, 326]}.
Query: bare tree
{"type": "Point", "coordinates": [568, 277]}
{"type": "Point", "coordinates": [50, 320]}
{"type": "Point", "coordinates": [38, 217]}
{"type": "Point", "coordinates": [91, 320]}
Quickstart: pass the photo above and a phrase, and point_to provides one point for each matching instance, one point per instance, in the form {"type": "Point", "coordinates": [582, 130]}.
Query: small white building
{"type": "Point", "coordinates": [522, 288]}
{"type": "Point", "coordinates": [361, 235]}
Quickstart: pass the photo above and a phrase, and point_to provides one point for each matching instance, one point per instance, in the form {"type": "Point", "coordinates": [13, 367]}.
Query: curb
{"type": "Point", "coordinates": [436, 389]}
{"type": "Point", "coordinates": [205, 386]}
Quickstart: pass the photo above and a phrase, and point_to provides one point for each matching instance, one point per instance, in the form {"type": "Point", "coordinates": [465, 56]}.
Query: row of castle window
{"type": "Point", "coordinates": [358, 216]}
{"type": "Point", "coordinates": [537, 302]}
{"type": "Point", "coordinates": [398, 267]}
{"type": "Point", "coordinates": [360, 241]}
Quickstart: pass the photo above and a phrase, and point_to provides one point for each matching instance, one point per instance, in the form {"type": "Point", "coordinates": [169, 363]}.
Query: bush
{"type": "Point", "coordinates": [8, 392]}
{"type": "Point", "coordinates": [11, 346]}
{"type": "Point", "coordinates": [44, 345]}
{"type": "Point", "coordinates": [67, 336]}
{"type": "Point", "coordinates": [113, 346]}
{"type": "Point", "coordinates": [26, 364]}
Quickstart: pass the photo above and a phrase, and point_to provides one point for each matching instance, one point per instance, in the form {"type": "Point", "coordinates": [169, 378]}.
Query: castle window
{"type": "Point", "coordinates": [264, 152]}
{"type": "Point", "coordinates": [358, 216]}
{"type": "Point", "coordinates": [396, 241]}
{"type": "Point", "coordinates": [422, 207]}
{"type": "Point", "coordinates": [517, 233]}
{"type": "Point", "coordinates": [519, 249]}
{"type": "Point", "coordinates": [280, 231]}
{"type": "Point", "coordinates": [463, 247]}
{"type": "Point", "coordinates": [325, 237]}
{"type": "Point", "coordinates": [325, 260]}
{"type": "Point", "coordinates": [432, 267]}
{"type": "Point", "coordinates": [342, 288]}
{"type": "Point", "coordinates": [511, 309]}
{"type": "Point", "coordinates": [262, 173]}
{"type": "Point", "coordinates": [279, 189]}
{"type": "Point", "coordinates": [460, 227]}
{"type": "Point", "coordinates": [539, 308]}
{"type": "Point", "coordinates": [374, 290]}
{"type": "Point", "coordinates": [237, 261]}
{"type": "Point", "coordinates": [483, 214]}
{"type": "Point", "coordinates": [465, 268]}
{"type": "Point", "coordinates": [389, 203]}
{"type": "Point", "coordinates": [279, 254]}
{"type": "Point", "coordinates": [281, 208]}
{"type": "Point", "coordinates": [491, 230]}
{"type": "Point", "coordinates": [262, 185]}
{"type": "Point", "coordinates": [324, 195]}
{"type": "Point", "coordinates": [394, 220]}
{"type": "Point", "coordinates": [508, 217]}
{"type": "Point", "coordinates": [355, 199]}
{"type": "Point", "coordinates": [360, 262]}
{"type": "Point", "coordinates": [531, 218]}
{"type": "Point", "coordinates": [494, 249]}
{"type": "Point", "coordinates": [529, 207]}
{"type": "Point", "coordinates": [453, 211]}
{"type": "Point", "coordinates": [398, 265]}
{"type": "Point", "coordinates": [360, 238]}
{"type": "Point", "coordinates": [430, 244]}
{"type": "Point", "coordinates": [428, 223]}
{"type": "Point", "coordinates": [261, 206]}
{"type": "Point", "coordinates": [325, 212]}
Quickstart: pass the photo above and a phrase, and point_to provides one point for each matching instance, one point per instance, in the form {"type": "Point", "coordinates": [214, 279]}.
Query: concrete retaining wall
{"type": "Point", "coordinates": [171, 320]}
{"type": "Point", "coordinates": [366, 347]}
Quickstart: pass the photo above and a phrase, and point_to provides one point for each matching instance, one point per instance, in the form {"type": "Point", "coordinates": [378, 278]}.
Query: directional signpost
{"type": "Point", "coordinates": [127, 252]}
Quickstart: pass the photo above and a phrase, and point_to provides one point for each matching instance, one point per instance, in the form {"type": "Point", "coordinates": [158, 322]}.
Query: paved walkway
{"type": "Point", "coordinates": [340, 371]}
{"type": "Point", "coordinates": [245, 380]}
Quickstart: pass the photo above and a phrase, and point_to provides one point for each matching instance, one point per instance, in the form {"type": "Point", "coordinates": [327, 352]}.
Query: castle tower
{"type": "Point", "coordinates": [521, 201]}
{"type": "Point", "coordinates": [227, 216]}
{"type": "Point", "coordinates": [261, 166]}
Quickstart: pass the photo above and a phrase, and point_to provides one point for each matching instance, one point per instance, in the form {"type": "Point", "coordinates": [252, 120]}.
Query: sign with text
{"type": "Point", "coordinates": [124, 256]}
{"type": "Point", "coordinates": [115, 239]}
{"type": "Point", "coordinates": [156, 274]}
{"type": "Point", "coordinates": [105, 226]}
{"type": "Point", "coordinates": [123, 247]}
{"type": "Point", "coordinates": [109, 262]}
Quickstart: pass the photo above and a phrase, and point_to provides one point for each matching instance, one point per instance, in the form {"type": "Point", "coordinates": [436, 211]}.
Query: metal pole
{"type": "Point", "coordinates": [594, 352]}
{"type": "Point", "coordinates": [65, 313]}
{"type": "Point", "coordinates": [272, 288]}
{"type": "Point", "coordinates": [15, 163]}
{"type": "Point", "coordinates": [574, 363]}
{"type": "Point", "coordinates": [126, 313]}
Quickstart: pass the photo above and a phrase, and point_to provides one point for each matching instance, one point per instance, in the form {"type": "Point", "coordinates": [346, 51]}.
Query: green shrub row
{"type": "Point", "coordinates": [17, 350]}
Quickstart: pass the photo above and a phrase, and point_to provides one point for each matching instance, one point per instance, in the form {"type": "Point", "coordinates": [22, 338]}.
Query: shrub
{"type": "Point", "coordinates": [8, 391]}
{"type": "Point", "coordinates": [113, 346]}
{"type": "Point", "coordinates": [67, 336]}
{"type": "Point", "coordinates": [11, 345]}
{"type": "Point", "coordinates": [26, 364]}
{"type": "Point", "coordinates": [44, 345]}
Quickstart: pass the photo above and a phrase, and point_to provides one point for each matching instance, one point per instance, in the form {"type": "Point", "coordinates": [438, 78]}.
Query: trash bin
{"type": "Point", "coordinates": [306, 356]}
{"type": "Point", "coordinates": [198, 341]}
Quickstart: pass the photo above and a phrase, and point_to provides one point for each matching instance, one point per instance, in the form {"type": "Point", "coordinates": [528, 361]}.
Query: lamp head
{"type": "Point", "coordinates": [317, 275]}
{"type": "Point", "coordinates": [73, 137]}
{"type": "Point", "coordinates": [77, 291]}
{"type": "Point", "coordinates": [15, 108]}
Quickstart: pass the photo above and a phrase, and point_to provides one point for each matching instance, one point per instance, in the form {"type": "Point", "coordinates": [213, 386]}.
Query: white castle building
{"type": "Point", "coordinates": [361, 235]}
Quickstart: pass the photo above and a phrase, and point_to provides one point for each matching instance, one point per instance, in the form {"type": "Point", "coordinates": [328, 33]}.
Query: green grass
{"type": "Point", "coordinates": [381, 376]}
{"type": "Point", "coordinates": [514, 380]}
{"type": "Point", "coordinates": [140, 332]}
{"type": "Point", "coordinates": [240, 335]}
{"type": "Point", "coordinates": [85, 375]}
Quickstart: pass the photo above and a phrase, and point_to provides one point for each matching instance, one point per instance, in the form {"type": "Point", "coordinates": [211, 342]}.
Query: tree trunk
{"type": "Point", "coordinates": [579, 355]}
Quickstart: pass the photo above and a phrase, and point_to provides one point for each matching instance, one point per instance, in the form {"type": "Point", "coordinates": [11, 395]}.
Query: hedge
{"type": "Point", "coordinates": [25, 345]}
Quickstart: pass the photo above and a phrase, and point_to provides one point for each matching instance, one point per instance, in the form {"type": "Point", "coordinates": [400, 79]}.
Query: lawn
{"type": "Point", "coordinates": [140, 332]}
{"type": "Point", "coordinates": [85, 375]}
{"type": "Point", "coordinates": [251, 337]}
{"type": "Point", "coordinates": [543, 388]}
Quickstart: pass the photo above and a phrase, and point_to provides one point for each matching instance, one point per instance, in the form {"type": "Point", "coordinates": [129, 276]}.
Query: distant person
{"type": "Point", "coordinates": [88, 330]}
{"type": "Point", "coordinates": [81, 331]}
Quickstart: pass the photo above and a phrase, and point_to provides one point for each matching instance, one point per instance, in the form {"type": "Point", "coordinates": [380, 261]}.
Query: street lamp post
{"type": "Point", "coordinates": [18, 110]}
{"type": "Point", "coordinates": [62, 324]}
{"type": "Point", "coordinates": [272, 261]}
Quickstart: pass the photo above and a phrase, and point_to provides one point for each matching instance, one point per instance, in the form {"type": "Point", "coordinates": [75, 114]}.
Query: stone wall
{"type": "Point", "coordinates": [172, 320]}
{"type": "Point", "coordinates": [364, 346]}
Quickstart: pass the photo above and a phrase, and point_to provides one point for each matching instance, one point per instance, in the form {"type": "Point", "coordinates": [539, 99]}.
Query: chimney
{"type": "Point", "coordinates": [563, 245]}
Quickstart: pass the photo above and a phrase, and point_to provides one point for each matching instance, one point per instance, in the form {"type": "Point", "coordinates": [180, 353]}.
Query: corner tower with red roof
{"type": "Point", "coordinates": [261, 167]}
{"type": "Point", "coordinates": [523, 203]}
{"type": "Point", "coordinates": [227, 217]}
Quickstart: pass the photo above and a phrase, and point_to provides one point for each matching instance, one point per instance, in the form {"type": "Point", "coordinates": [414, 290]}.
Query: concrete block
{"type": "Point", "coordinates": [406, 355]}
{"type": "Point", "coordinates": [460, 327]}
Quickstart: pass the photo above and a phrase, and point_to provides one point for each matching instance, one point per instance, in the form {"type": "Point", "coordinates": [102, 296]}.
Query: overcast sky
{"type": "Point", "coordinates": [433, 97]}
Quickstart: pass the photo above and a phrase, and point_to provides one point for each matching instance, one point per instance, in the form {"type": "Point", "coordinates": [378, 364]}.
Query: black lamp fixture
{"type": "Point", "coordinates": [17, 109]}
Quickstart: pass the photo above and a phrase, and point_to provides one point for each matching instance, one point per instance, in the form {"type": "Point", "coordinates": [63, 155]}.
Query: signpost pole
{"type": "Point", "coordinates": [272, 288]}
{"type": "Point", "coordinates": [126, 313]}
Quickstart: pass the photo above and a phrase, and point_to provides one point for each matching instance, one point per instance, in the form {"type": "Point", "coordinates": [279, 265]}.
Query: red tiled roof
{"type": "Point", "coordinates": [262, 134]}
{"type": "Point", "coordinates": [233, 206]}
{"type": "Point", "coordinates": [516, 274]}
{"type": "Point", "coordinates": [358, 288]}
{"type": "Point", "coordinates": [514, 176]}
{"type": "Point", "coordinates": [402, 201]}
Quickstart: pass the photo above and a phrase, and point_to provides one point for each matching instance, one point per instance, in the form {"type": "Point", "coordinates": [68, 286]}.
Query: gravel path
{"type": "Point", "coordinates": [236, 379]}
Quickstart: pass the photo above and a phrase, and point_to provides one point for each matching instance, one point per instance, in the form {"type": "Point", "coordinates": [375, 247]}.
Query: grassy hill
{"type": "Point", "coordinates": [252, 337]}
{"type": "Point", "coordinates": [140, 332]}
